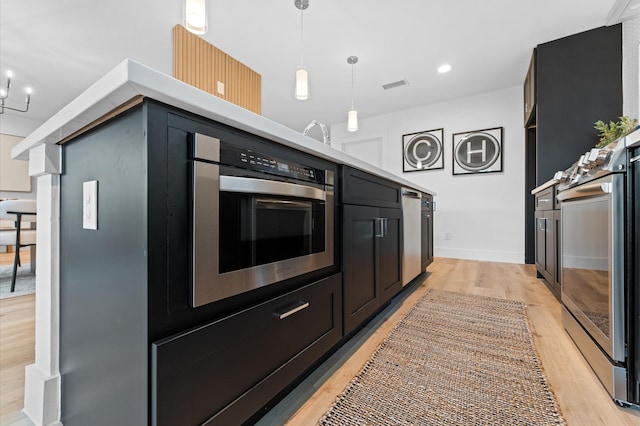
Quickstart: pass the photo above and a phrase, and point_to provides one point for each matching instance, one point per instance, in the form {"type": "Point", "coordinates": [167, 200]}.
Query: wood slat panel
{"type": "Point", "coordinates": [202, 65]}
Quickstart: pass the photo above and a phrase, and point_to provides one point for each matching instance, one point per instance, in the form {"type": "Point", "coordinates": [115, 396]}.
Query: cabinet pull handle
{"type": "Point", "coordinates": [634, 159]}
{"type": "Point", "coordinates": [301, 306]}
{"type": "Point", "coordinates": [544, 200]}
{"type": "Point", "coordinates": [379, 228]}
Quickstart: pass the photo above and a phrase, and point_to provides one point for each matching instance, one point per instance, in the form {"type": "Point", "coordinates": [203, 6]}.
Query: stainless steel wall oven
{"type": "Point", "coordinates": [257, 219]}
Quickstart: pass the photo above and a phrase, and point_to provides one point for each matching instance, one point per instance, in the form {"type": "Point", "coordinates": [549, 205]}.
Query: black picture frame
{"type": "Point", "coordinates": [477, 151]}
{"type": "Point", "coordinates": [423, 150]}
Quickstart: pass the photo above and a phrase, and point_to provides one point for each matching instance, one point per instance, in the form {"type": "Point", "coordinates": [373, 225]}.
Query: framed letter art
{"type": "Point", "coordinates": [479, 151]}
{"type": "Point", "coordinates": [422, 151]}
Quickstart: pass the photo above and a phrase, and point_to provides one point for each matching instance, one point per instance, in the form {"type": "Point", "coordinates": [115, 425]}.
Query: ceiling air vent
{"type": "Point", "coordinates": [395, 84]}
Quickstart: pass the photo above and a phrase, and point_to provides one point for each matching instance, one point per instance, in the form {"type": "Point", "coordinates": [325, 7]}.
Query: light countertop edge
{"type": "Point", "coordinates": [130, 79]}
{"type": "Point", "coordinates": [632, 140]}
{"type": "Point", "coordinates": [547, 184]}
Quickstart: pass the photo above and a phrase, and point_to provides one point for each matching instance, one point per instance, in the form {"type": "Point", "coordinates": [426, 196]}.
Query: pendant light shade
{"type": "Point", "coordinates": [302, 79]}
{"type": "Point", "coordinates": [302, 84]}
{"type": "Point", "coordinates": [352, 119]}
{"type": "Point", "coordinates": [352, 123]}
{"type": "Point", "coordinates": [195, 16]}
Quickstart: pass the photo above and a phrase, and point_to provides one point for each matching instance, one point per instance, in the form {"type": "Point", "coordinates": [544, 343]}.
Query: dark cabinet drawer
{"type": "Point", "coordinates": [225, 371]}
{"type": "Point", "coordinates": [364, 189]}
{"type": "Point", "coordinates": [544, 199]}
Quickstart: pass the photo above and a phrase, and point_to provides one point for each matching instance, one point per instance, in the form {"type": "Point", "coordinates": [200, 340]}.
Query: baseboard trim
{"type": "Point", "coordinates": [484, 255]}
{"type": "Point", "coordinates": [41, 397]}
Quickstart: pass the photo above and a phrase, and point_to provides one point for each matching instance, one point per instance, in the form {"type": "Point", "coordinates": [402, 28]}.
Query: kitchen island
{"type": "Point", "coordinates": [132, 346]}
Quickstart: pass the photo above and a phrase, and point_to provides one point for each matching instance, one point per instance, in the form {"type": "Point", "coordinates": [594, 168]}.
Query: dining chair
{"type": "Point", "coordinates": [19, 212]}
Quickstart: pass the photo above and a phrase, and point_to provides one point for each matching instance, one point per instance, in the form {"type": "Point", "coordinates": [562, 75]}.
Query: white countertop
{"type": "Point", "coordinates": [130, 79]}
{"type": "Point", "coordinates": [547, 184]}
{"type": "Point", "coordinates": [632, 140]}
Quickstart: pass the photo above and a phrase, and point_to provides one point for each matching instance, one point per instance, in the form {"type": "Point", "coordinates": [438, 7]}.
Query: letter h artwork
{"type": "Point", "coordinates": [478, 151]}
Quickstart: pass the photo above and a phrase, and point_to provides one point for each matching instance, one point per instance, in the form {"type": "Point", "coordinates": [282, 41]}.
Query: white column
{"type": "Point", "coordinates": [42, 378]}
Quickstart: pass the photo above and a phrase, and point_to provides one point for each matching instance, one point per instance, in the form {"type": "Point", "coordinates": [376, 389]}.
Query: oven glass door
{"type": "Point", "coordinates": [593, 264]}
{"type": "Point", "coordinates": [258, 229]}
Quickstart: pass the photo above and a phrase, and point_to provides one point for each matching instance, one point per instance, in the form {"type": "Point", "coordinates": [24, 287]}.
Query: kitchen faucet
{"type": "Point", "coordinates": [325, 131]}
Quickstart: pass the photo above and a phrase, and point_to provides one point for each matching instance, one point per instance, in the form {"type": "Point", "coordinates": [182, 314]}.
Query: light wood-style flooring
{"type": "Point", "coordinates": [17, 349]}
{"type": "Point", "coordinates": [582, 398]}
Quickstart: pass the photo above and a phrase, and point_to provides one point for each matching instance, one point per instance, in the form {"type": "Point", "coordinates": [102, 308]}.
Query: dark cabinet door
{"type": "Point", "coordinates": [372, 264]}
{"type": "Point", "coordinates": [390, 247]}
{"type": "Point", "coordinates": [426, 229]}
{"type": "Point", "coordinates": [541, 241]}
{"type": "Point", "coordinates": [557, 243]}
{"type": "Point", "coordinates": [530, 92]}
{"type": "Point", "coordinates": [361, 224]}
{"type": "Point", "coordinates": [548, 250]}
{"type": "Point", "coordinates": [550, 242]}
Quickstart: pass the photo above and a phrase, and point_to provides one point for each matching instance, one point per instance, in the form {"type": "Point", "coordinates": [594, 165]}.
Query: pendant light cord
{"type": "Point", "coordinates": [352, 90]}
{"type": "Point", "coordinates": [302, 37]}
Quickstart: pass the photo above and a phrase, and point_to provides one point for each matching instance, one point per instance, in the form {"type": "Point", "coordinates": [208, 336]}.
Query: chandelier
{"type": "Point", "coordinates": [4, 94]}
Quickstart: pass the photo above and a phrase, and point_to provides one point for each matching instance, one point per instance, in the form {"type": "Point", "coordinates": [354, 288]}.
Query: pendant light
{"type": "Point", "coordinates": [302, 82]}
{"type": "Point", "coordinates": [352, 122]}
{"type": "Point", "coordinates": [195, 16]}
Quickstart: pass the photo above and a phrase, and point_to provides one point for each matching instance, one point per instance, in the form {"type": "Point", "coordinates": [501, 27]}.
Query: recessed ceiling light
{"type": "Point", "coordinates": [444, 68]}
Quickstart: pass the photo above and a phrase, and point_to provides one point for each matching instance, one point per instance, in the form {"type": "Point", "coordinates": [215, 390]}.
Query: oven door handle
{"type": "Point", "coordinates": [269, 203]}
{"type": "Point", "coordinates": [269, 187]}
{"type": "Point", "coordinates": [587, 190]}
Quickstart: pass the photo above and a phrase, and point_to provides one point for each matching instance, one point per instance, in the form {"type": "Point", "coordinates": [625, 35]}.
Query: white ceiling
{"type": "Point", "coordinates": [61, 47]}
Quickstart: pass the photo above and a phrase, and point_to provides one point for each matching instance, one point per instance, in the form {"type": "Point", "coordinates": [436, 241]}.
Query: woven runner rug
{"type": "Point", "coordinates": [455, 359]}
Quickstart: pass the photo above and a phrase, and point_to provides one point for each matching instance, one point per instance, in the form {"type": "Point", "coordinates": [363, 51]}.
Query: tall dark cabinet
{"type": "Point", "coordinates": [578, 81]}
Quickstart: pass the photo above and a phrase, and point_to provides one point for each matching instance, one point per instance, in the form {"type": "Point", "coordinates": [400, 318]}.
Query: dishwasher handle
{"type": "Point", "coordinates": [411, 194]}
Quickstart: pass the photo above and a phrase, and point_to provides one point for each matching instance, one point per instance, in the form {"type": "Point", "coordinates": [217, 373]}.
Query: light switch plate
{"type": "Point", "coordinates": [220, 88]}
{"type": "Point", "coordinates": [90, 205]}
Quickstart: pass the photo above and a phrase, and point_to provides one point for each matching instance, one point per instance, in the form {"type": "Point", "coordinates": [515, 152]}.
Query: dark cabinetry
{"type": "Point", "coordinates": [220, 372]}
{"type": "Point", "coordinates": [577, 80]}
{"type": "Point", "coordinates": [426, 227]}
{"type": "Point", "coordinates": [633, 290]}
{"type": "Point", "coordinates": [372, 230]}
{"type": "Point", "coordinates": [547, 240]}
{"type": "Point", "coordinates": [530, 92]}
{"type": "Point", "coordinates": [125, 290]}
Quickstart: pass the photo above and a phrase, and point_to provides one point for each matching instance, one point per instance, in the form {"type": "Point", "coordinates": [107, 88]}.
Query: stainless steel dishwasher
{"type": "Point", "coordinates": [411, 205]}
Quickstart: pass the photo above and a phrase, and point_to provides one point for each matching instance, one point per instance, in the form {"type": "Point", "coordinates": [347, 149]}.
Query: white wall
{"type": "Point", "coordinates": [484, 213]}
{"type": "Point", "coordinates": [10, 166]}
{"type": "Point", "coordinates": [631, 67]}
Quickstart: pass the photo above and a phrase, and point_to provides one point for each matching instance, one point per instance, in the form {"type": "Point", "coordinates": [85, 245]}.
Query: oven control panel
{"type": "Point", "coordinates": [252, 160]}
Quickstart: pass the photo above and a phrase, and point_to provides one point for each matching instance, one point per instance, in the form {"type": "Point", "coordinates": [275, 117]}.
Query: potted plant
{"type": "Point", "coordinates": [614, 131]}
